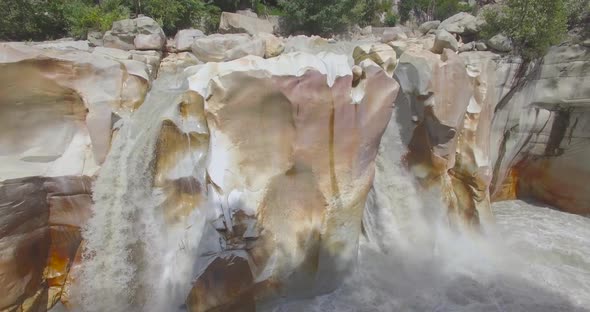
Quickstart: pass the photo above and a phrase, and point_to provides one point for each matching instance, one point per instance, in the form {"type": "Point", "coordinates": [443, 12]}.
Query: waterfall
{"type": "Point", "coordinates": [410, 259]}
{"type": "Point", "coordinates": [133, 260]}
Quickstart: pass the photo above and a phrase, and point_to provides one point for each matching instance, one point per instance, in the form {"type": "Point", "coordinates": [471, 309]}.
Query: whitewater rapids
{"type": "Point", "coordinates": [536, 259]}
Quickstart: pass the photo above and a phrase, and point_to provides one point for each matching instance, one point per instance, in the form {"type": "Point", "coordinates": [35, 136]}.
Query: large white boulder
{"type": "Point", "coordinates": [142, 33]}
{"type": "Point", "coordinates": [238, 23]}
{"type": "Point", "coordinates": [461, 23]}
{"type": "Point", "coordinates": [220, 48]}
{"type": "Point", "coordinates": [444, 40]}
{"type": "Point", "coordinates": [185, 38]}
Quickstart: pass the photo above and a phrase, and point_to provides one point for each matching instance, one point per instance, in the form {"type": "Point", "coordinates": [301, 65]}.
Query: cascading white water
{"type": "Point", "coordinates": [535, 259]}
{"type": "Point", "coordinates": [133, 261]}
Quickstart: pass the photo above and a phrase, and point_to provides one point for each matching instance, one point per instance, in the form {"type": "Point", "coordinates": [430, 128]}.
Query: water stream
{"type": "Point", "coordinates": [534, 259]}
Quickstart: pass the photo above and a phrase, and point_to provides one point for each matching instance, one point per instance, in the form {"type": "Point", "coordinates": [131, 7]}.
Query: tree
{"type": "Point", "coordinates": [533, 25]}
{"type": "Point", "coordinates": [326, 17]}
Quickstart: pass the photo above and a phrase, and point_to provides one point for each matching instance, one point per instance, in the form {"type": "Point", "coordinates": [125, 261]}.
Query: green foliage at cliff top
{"type": "Point", "coordinates": [533, 25]}
{"type": "Point", "coordinates": [327, 17]}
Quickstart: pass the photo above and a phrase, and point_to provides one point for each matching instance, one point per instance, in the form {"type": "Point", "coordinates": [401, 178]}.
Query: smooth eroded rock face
{"type": "Point", "coordinates": [221, 48]}
{"type": "Point", "coordinates": [40, 220]}
{"type": "Point", "coordinates": [321, 145]}
{"type": "Point", "coordinates": [540, 132]}
{"type": "Point", "coordinates": [238, 23]}
{"type": "Point", "coordinates": [430, 113]}
{"type": "Point", "coordinates": [56, 108]}
{"type": "Point", "coordinates": [185, 38]}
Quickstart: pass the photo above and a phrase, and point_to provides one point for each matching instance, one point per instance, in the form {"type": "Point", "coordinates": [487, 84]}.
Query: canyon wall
{"type": "Point", "coordinates": [57, 106]}
{"type": "Point", "coordinates": [228, 185]}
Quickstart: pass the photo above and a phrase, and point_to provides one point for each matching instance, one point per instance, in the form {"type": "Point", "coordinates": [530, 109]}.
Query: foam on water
{"type": "Point", "coordinates": [534, 259]}
{"type": "Point", "coordinates": [133, 261]}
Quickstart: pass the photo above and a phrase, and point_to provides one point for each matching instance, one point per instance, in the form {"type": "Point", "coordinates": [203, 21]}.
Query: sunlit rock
{"type": "Point", "coordinates": [430, 113]}
{"type": "Point", "coordinates": [221, 48]}
{"type": "Point", "coordinates": [185, 38]}
{"type": "Point", "coordinates": [62, 126]}
{"type": "Point", "coordinates": [273, 46]}
{"type": "Point", "coordinates": [322, 145]}
{"type": "Point", "coordinates": [142, 33]}
{"type": "Point", "coordinates": [382, 54]}
{"type": "Point", "coordinates": [40, 220]}
{"type": "Point", "coordinates": [444, 40]}
{"type": "Point", "coordinates": [239, 23]}
{"type": "Point", "coordinates": [540, 131]}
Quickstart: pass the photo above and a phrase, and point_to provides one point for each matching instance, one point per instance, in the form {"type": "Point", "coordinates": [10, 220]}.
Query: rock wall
{"type": "Point", "coordinates": [540, 132]}
{"type": "Point", "coordinates": [289, 198]}
{"type": "Point", "coordinates": [58, 102]}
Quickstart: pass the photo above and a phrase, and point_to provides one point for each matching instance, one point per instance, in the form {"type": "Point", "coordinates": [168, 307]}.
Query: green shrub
{"type": "Point", "coordinates": [407, 7]}
{"type": "Point", "coordinates": [444, 9]}
{"type": "Point", "coordinates": [31, 20]}
{"type": "Point", "coordinates": [577, 12]}
{"type": "Point", "coordinates": [391, 19]}
{"type": "Point", "coordinates": [263, 9]}
{"type": "Point", "coordinates": [83, 16]}
{"type": "Point", "coordinates": [533, 25]}
{"type": "Point", "coordinates": [327, 17]}
{"type": "Point", "coordinates": [174, 15]}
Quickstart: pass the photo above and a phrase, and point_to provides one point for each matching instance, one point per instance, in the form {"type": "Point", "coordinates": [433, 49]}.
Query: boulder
{"type": "Point", "coordinates": [221, 48]}
{"type": "Point", "coordinates": [175, 63]}
{"type": "Point", "coordinates": [444, 40]}
{"type": "Point", "coordinates": [382, 54]}
{"type": "Point", "coordinates": [149, 42]}
{"type": "Point", "coordinates": [461, 23]}
{"type": "Point", "coordinates": [237, 23]}
{"type": "Point", "coordinates": [247, 12]}
{"type": "Point", "coordinates": [470, 46]}
{"type": "Point", "coordinates": [273, 46]}
{"type": "Point", "coordinates": [112, 53]}
{"type": "Point", "coordinates": [142, 33]}
{"type": "Point", "coordinates": [95, 38]}
{"type": "Point", "coordinates": [481, 46]}
{"type": "Point", "coordinates": [428, 26]}
{"type": "Point", "coordinates": [118, 42]}
{"type": "Point", "coordinates": [367, 31]}
{"type": "Point", "coordinates": [500, 43]}
{"type": "Point", "coordinates": [185, 38]}
{"type": "Point", "coordinates": [392, 34]}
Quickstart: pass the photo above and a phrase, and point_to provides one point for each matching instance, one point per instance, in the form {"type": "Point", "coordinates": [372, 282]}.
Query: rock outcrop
{"type": "Point", "coordinates": [57, 109]}
{"type": "Point", "coordinates": [258, 181]}
{"type": "Point", "coordinates": [461, 23]}
{"type": "Point", "coordinates": [238, 23]}
{"type": "Point", "coordinates": [444, 40]}
{"type": "Point", "coordinates": [222, 48]}
{"type": "Point", "coordinates": [40, 235]}
{"type": "Point", "coordinates": [185, 38]}
{"type": "Point", "coordinates": [428, 26]}
{"type": "Point", "coordinates": [142, 33]}
{"type": "Point", "coordinates": [500, 43]}
{"type": "Point", "coordinates": [540, 137]}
